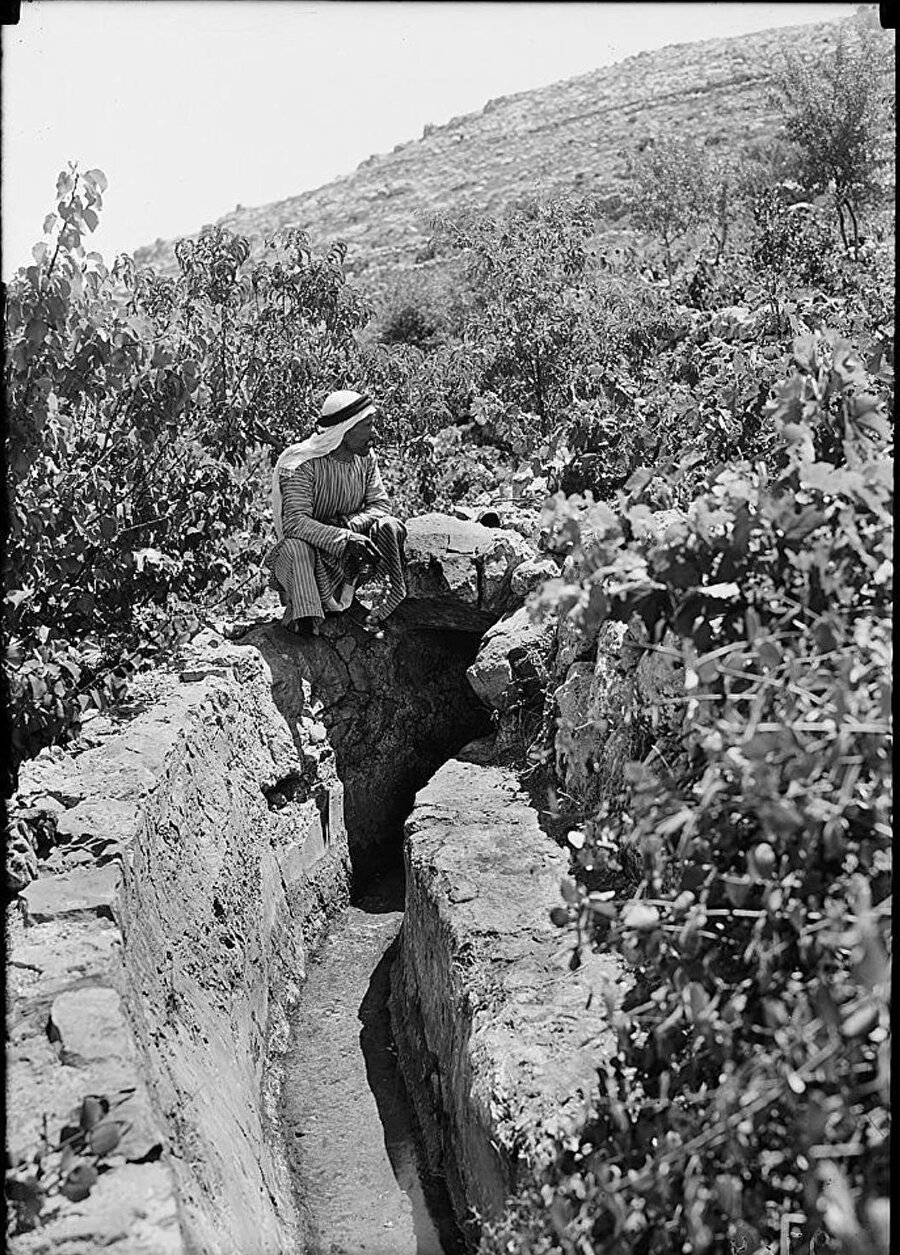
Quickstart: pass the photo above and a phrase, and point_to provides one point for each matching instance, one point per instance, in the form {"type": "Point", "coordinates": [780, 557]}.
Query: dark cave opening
{"type": "Point", "coordinates": [395, 708]}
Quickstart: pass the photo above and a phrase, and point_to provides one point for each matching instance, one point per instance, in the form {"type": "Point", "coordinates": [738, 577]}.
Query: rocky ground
{"type": "Point", "coordinates": [498, 1034]}
{"type": "Point", "coordinates": [151, 958]}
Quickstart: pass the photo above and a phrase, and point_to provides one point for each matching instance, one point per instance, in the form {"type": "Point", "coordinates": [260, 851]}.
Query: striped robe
{"type": "Point", "coordinates": [323, 501]}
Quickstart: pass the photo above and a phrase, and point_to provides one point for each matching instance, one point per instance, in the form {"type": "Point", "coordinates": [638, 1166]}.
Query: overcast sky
{"type": "Point", "coordinates": [193, 106]}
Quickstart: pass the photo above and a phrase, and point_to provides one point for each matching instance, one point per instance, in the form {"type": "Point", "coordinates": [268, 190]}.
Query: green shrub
{"type": "Point", "coordinates": [143, 416]}
{"type": "Point", "coordinates": [750, 1081]}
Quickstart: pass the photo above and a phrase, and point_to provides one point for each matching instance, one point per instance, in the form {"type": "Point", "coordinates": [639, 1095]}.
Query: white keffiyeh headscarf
{"type": "Point", "coordinates": [340, 411]}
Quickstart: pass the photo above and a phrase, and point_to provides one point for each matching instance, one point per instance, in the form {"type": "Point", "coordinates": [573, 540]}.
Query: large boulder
{"type": "Point", "coordinates": [531, 574]}
{"type": "Point", "coordinates": [459, 572]}
{"type": "Point", "coordinates": [511, 665]}
{"type": "Point", "coordinates": [607, 704]}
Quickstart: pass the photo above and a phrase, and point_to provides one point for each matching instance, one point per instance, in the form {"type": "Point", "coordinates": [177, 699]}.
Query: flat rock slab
{"type": "Point", "coordinates": [111, 818]}
{"type": "Point", "coordinates": [131, 1211]}
{"type": "Point", "coordinates": [459, 572]}
{"type": "Point", "coordinates": [46, 958]}
{"type": "Point", "coordinates": [89, 1024]}
{"type": "Point", "coordinates": [88, 891]}
{"type": "Point", "coordinates": [107, 771]}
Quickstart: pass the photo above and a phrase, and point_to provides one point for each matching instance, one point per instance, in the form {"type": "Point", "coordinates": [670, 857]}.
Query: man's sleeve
{"type": "Point", "coordinates": [376, 503]}
{"type": "Point", "coordinates": [297, 516]}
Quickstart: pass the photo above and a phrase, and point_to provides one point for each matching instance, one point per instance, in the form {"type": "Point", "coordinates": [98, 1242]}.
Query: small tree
{"type": "Point", "coordinates": [722, 196]}
{"type": "Point", "coordinates": [669, 191]}
{"type": "Point", "coordinates": [530, 271]}
{"type": "Point", "coordinates": [839, 111]}
{"type": "Point", "coordinates": [548, 318]}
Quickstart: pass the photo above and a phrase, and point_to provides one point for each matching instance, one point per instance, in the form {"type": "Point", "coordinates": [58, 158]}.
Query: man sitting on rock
{"type": "Point", "coordinates": [333, 521]}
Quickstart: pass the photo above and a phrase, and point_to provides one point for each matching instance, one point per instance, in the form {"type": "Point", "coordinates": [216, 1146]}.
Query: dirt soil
{"type": "Point", "coordinates": [347, 1118]}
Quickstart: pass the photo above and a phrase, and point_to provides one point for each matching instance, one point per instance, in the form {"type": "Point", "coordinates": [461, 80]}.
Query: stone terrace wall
{"type": "Point", "coordinates": [198, 851]}
{"type": "Point", "coordinates": [498, 1039]}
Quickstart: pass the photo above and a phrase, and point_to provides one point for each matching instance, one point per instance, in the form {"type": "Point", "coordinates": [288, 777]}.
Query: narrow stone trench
{"type": "Point", "coordinates": [348, 1122]}
{"type": "Point", "coordinates": [394, 711]}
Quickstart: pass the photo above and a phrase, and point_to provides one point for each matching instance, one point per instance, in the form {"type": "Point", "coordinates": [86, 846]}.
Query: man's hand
{"type": "Point", "coordinates": [360, 551]}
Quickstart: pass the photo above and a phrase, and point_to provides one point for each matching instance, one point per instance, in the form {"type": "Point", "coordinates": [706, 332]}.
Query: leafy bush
{"type": "Point", "coordinates": [144, 413]}
{"type": "Point", "coordinates": [750, 1081]}
{"type": "Point", "coordinates": [670, 191]}
{"type": "Point", "coordinates": [410, 324]}
{"type": "Point", "coordinates": [547, 316]}
{"type": "Point", "coordinates": [423, 307]}
{"type": "Point", "coordinates": [552, 337]}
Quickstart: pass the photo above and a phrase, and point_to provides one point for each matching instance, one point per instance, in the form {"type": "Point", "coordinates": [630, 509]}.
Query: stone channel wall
{"type": "Point", "coordinates": [497, 1037]}
{"type": "Point", "coordinates": [197, 852]}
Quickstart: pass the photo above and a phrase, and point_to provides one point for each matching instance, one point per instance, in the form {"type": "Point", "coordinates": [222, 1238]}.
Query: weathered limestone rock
{"type": "Point", "coordinates": [590, 706]}
{"type": "Point", "coordinates": [459, 572]}
{"type": "Point", "coordinates": [517, 515]}
{"type": "Point", "coordinates": [511, 665]}
{"type": "Point", "coordinates": [200, 850]}
{"type": "Point", "coordinates": [576, 735]}
{"type": "Point", "coordinates": [129, 1212]}
{"type": "Point", "coordinates": [83, 891]}
{"type": "Point", "coordinates": [573, 644]}
{"type": "Point", "coordinates": [659, 674]}
{"type": "Point", "coordinates": [531, 573]}
{"type": "Point", "coordinates": [97, 818]}
{"type": "Point", "coordinates": [607, 708]}
{"type": "Point", "coordinates": [498, 1039]}
{"type": "Point", "coordinates": [21, 859]}
{"type": "Point", "coordinates": [69, 1036]}
{"type": "Point", "coordinates": [241, 858]}
{"type": "Point", "coordinates": [612, 687]}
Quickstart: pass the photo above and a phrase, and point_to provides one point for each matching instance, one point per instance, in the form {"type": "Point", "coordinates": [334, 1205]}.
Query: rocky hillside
{"type": "Point", "coordinates": [573, 135]}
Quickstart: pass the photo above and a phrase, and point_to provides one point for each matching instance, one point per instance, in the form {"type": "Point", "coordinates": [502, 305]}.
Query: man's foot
{"type": "Point", "coordinates": [362, 617]}
{"type": "Point", "coordinates": [304, 627]}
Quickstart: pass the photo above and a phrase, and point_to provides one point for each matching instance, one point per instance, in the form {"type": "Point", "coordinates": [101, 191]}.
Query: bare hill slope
{"type": "Point", "coordinates": [573, 135]}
